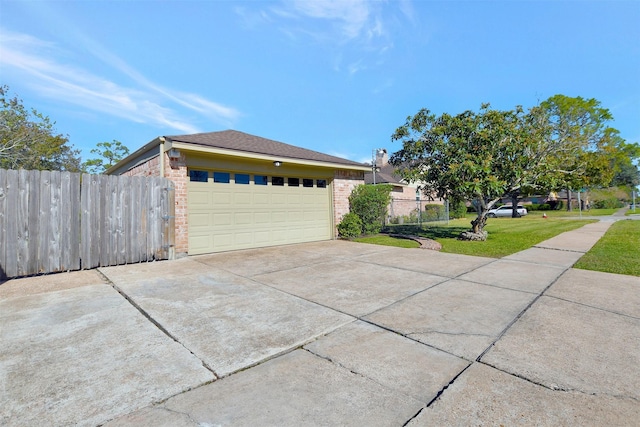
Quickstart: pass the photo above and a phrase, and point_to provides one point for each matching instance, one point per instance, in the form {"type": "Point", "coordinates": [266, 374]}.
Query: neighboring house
{"type": "Point", "coordinates": [403, 195]}
{"type": "Point", "coordinates": [237, 191]}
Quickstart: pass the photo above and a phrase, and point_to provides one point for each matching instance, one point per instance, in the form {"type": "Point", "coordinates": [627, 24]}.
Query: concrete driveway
{"type": "Point", "coordinates": [328, 333]}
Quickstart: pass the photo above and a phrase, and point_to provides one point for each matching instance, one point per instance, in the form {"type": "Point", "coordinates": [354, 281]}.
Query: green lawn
{"type": "Point", "coordinates": [383, 239]}
{"type": "Point", "coordinates": [506, 235]}
{"type": "Point", "coordinates": [574, 213]}
{"type": "Point", "coordinates": [618, 251]}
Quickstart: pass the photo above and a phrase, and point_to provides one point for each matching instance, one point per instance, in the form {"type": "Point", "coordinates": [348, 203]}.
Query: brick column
{"type": "Point", "coordinates": [176, 171]}
{"type": "Point", "coordinates": [344, 182]}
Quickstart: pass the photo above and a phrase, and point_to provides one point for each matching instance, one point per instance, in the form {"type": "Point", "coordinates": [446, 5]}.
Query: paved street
{"type": "Point", "coordinates": [328, 333]}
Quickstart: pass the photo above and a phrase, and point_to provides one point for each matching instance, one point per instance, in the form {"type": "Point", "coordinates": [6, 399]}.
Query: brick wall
{"type": "Point", "coordinates": [343, 184]}
{"type": "Point", "coordinates": [176, 171]}
{"type": "Point", "coordinates": [148, 168]}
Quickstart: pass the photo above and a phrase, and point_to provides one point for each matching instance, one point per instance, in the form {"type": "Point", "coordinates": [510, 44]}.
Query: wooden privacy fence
{"type": "Point", "coordinates": [54, 221]}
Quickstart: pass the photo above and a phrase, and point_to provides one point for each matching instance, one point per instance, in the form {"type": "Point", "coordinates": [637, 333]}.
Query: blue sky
{"type": "Point", "coordinates": [333, 76]}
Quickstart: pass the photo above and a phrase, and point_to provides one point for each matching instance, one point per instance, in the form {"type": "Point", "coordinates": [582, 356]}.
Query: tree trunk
{"type": "Point", "coordinates": [569, 208]}
{"type": "Point", "coordinates": [477, 225]}
{"type": "Point", "coordinates": [514, 206]}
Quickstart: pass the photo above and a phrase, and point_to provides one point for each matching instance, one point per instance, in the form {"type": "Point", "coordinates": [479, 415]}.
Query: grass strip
{"type": "Point", "coordinates": [506, 235]}
{"type": "Point", "coordinates": [618, 251]}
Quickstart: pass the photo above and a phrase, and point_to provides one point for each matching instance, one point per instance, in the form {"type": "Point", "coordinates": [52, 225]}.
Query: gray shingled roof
{"type": "Point", "coordinates": [386, 175]}
{"type": "Point", "coordinates": [240, 141]}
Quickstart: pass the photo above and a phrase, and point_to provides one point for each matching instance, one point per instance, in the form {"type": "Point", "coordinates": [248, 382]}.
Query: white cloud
{"type": "Point", "coordinates": [37, 63]}
{"type": "Point", "coordinates": [352, 16]}
{"type": "Point", "coordinates": [356, 32]}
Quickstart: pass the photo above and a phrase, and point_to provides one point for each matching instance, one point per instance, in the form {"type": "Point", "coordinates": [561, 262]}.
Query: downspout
{"type": "Point", "coordinates": [162, 141]}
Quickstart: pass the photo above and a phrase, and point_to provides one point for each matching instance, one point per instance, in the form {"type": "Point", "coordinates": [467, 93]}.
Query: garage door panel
{"type": "Point", "coordinates": [234, 216]}
{"type": "Point", "coordinates": [199, 220]}
{"type": "Point", "coordinates": [222, 219]}
{"type": "Point", "coordinates": [278, 199]}
{"type": "Point", "coordinates": [262, 217]}
{"type": "Point", "coordinates": [260, 199]}
{"type": "Point", "coordinates": [222, 198]}
{"type": "Point", "coordinates": [262, 237]}
{"type": "Point", "coordinates": [200, 199]}
{"type": "Point", "coordinates": [243, 218]}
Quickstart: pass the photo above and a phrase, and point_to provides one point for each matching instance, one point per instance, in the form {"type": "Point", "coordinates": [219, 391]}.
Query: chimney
{"type": "Point", "coordinates": [381, 157]}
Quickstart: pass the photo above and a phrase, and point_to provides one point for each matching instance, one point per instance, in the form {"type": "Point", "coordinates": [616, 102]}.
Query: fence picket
{"type": "Point", "coordinates": [44, 209]}
{"type": "Point", "coordinates": [3, 223]}
{"type": "Point", "coordinates": [75, 215]}
{"type": "Point", "coordinates": [22, 222]}
{"type": "Point", "coordinates": [61, 221]}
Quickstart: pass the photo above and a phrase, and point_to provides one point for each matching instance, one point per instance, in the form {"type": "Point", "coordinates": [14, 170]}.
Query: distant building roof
{"type": "Point", "coordinates": [386, 175]}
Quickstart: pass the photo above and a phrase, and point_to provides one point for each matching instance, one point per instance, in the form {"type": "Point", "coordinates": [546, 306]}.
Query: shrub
{"type": "Point", "coordinates": [370, 203]}
{"type": "Point", "coordinates": [610, 203]}
{"type": "Point", "coordinates": [457, 209]}
{"type": "Point", "coordinates": [433, 212]}
{"type": "Point", "coordinates": [350, 226]}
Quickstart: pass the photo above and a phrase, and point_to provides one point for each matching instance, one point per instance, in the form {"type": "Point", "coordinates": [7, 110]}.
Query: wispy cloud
{"type": "Point", "coordinates": [352, 17]}
{"type": "Point", "coordinates": [356, 31]}
{"type": "Point", "coordinates": [38, 62]}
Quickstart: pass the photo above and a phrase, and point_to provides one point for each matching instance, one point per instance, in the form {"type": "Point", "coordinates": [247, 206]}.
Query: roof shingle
{"type": "Point", "coordinates": [240, 141]}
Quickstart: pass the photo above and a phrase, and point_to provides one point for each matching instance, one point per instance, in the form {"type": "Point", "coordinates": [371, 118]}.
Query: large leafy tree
{"type": "Point", "coordinates": [109, 154]}
{"type": "Point", "coordinates": [582, 125]}
{"type": "Point", "coordinates": [485, 156]}
{"type": "Point", "coordinates": [28, 139]}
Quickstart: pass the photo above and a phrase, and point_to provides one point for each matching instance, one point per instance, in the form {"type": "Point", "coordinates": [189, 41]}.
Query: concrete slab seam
{"type": "Point", "coordinates": [385, 328]}
{"type": "Point", "coordinates": [493, 285]}
{"type": "Point", "coordinates": [561, 389]}
{"type": "Point", "coordinates": [548, 248]}
{"type": "Point", "coordinates": [593, 307]}
{"type": "Point", "coordinates": [504, 331]}
{"type": "Point", "coordinates": [296, 346]}
{"type": "Point", "coordinates": [449, 384]}
{"type": "Point", "coordinates": [156, 323]}
{"type": "Point", "coordinates": [340, 365]}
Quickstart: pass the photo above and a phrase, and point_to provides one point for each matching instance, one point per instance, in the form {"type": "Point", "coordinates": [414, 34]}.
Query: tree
{"type": "Point", "coordinates": [582, 125]}
{"type": "Point", "coordinates": [110, 153]}
{"type": "Point", "coordinates": [28, 139]}
{"type": "Point", "coordinates": [482, 156]}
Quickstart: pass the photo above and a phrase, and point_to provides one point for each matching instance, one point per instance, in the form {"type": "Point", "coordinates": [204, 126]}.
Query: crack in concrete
{"type": "Point", "coordinates": [449, 384]}
{"type": "Point", "coordinates": [155, 322]}
{"type": "Point", "coordinates": [554, 387]}
{"type": "Point", "coordinates": [468, 334]}
{"type": "Point", "coordinates": [361, 375]}
{"type": "Point", "coordinates": [504, 331]}
{"type": "Point", "coordinates": [594, 307]}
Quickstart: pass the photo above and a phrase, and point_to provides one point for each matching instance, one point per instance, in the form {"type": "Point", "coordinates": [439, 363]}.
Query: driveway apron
{"type": "Point", "coordinates": [327, 333]}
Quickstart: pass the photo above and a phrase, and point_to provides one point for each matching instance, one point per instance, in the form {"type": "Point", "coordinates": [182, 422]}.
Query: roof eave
{"type": "Point", "coordinates": [142, 150]}
{"type": "Point", "coordinates": [268, 157]}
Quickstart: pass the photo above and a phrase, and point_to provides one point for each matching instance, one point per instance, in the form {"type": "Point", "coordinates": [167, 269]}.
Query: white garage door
{"type": "Point", "coordinates": [228, 211]}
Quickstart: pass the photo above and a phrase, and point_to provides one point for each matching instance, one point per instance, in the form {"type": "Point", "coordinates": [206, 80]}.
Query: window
{"type": "Point", "coordinates": [307, 182]}
{"type": "Point", "coordinates": [277, 180]}
{"type": "Point", "coordinates": [321, 183]}
{"type": "Point", "coordinates": [242, 178]}
{"type": "Point", "coordinates": [222, 177]}
{"type": "Point", "coordinates": [294, 182]}
{"type": "Point", "coordinates": [198, 176]}
{"type": "Point", "coordinates": [260, 180]}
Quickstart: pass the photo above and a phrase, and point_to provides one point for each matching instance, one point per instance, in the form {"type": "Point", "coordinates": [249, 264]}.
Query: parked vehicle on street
{"type": "Point", "coordinates": [506, 211]}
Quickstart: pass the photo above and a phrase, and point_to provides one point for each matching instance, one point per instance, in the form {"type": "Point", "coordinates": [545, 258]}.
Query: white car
{"type": "Point", "coordinates": [506, 211]}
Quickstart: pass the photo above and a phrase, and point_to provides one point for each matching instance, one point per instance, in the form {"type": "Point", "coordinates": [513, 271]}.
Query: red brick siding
{"type": "Point", "coordinates": [149, 168]}
{"type": "Point", "coordinates": [176, 171]}
{"type": "Point", "coordinates": [343, 184]}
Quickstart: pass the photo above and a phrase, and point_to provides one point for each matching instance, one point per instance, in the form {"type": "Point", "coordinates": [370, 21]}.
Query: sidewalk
{"type": "Point", "coordinates": [323, 334]}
